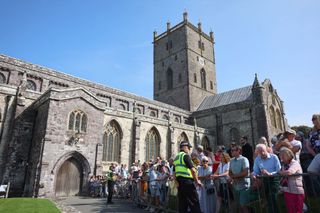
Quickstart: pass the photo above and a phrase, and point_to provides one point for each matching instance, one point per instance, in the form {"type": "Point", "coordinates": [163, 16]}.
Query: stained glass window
{"type": "Point", "coordinates": [112, 143]}
{"type": "Point", "coordinates": [152, 144]}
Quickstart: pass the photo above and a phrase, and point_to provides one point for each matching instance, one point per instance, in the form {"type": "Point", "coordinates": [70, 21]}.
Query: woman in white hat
{"type": "Point", "coordinates": [207, 192]}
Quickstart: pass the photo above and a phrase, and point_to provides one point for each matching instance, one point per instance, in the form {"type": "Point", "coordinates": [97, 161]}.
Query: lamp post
{"type": "Point", "coordinates": [95, 159]}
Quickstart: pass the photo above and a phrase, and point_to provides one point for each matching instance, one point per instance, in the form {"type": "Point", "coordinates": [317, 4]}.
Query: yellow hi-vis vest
{"type": "Point", "coordinates": [181, 169]}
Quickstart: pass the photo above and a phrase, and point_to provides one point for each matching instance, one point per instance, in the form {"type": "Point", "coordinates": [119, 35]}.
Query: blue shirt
{"type": "Point", "coordinates": [271, 164]}
{"type": "Point", "coordinates": [237, 165]}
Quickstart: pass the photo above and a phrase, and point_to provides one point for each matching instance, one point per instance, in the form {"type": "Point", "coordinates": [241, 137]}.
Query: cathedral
{"type": "Point", "coordinates": [56, 130]}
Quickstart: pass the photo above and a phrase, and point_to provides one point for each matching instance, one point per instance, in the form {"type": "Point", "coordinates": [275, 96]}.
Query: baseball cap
{"type": "Point", "coordinates": [185, 143]}
{"type": "Point", "coordinates": [200, 147]}
{"type": "Point", "coordinates": [291, 131]}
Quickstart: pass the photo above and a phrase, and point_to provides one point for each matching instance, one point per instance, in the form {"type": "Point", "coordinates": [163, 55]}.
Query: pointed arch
{"type": "Point", "coordinates": [234, 135]}
{"type": "Point", "coordinates": [83, 175]}
{"type": "Point", "coordinates": [205, 142]}
{"type": "Point", "coordinates": [152, 142]}
{"type": "Point", "coordinates": [112, 142]}
{"type": "Point", "coordinates": [203, 79]}
{"type": "Point", "coordinates": [165, 117]}
{"type": "Point", "coordinates": [183, 137]}
{"type": "Point", "coordinates": [78, 121]}
{"type": "Point", "coordinates": [169, 79]}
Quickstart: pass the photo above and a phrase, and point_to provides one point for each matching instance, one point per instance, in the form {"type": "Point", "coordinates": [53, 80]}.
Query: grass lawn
{"type": "Point", "coordinates": [27, 205]}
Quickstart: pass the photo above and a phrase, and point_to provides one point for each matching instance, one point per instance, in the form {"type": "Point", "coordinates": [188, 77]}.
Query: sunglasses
{"type": "Point", "coordinates": [204, 161]}
{"type": "Point", "coordinates": [313, 119]}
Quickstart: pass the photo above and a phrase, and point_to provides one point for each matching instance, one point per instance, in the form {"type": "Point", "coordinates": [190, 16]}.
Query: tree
{"type": "Point", "coordinates": [302, 128]}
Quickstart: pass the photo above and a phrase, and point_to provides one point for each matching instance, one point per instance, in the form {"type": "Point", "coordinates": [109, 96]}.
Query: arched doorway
{"type": "Point", "coordinates": [71, 174]}
{"type": "Point", "coordinates": [69, 177]}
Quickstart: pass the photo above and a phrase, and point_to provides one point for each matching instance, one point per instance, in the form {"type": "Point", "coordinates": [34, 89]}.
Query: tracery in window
{"type": "Point", "coordinates": [112, 142]}
{"type": "Point", "coordinates": [182, 137]}
{"type": "Point", "coordinates": [31, 85]}
{"type": "Point", "coordinates": [78, 121]}
{"type": "Point", "coordinates": [152, 142]}
{"type": "Point", "coordinates": [234, 135]}
{"type": "Point", "coordinates": [205, 142]}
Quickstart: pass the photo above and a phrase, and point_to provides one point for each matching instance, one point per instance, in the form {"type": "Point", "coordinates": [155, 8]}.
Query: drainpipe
{"type": "Point", "coordinates": [95, 159]}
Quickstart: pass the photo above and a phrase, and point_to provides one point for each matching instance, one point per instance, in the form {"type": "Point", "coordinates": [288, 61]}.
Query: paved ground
{"type": "Point", "coordinates": [96, 205]}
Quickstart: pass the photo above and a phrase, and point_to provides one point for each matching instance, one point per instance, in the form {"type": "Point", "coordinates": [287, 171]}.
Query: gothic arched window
{"type": "Point", "coordinates": [153, 114]}
{"type": "Point", "coordinates": [152, 144]}
{"type": "Point", "coordinates": [272, 117]}
{"type": "Point", "coordinates": [138, 110]}
{"type": "Point", "coordinates": [165, 117]}
{"type": "Point", "coordinates": [205, 142]}
{"type": "Point", "coordinates": [112, 142]}
{"type": "Point", "coordinates": [78, 121]}
{"type": "Point", "coordinates": [182, 137]}
{"type": "Point", "coordinates": [2, 79]}
{"type": "Point", "coordinates": [169, 79]}
{"type": "Point", "coordinates": [203, 79]}
{"type": "Point", "coordinates": [234, 135]}
{"type": "Point", "coordinates": [31, 85]}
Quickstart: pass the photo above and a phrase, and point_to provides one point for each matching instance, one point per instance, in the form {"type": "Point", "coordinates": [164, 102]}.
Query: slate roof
{"type": "Point", "coordinates": [226, 98]}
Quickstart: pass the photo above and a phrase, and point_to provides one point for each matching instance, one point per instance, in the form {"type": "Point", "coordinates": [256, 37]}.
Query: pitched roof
{"type": "Point", "coordinates": [225, 98]}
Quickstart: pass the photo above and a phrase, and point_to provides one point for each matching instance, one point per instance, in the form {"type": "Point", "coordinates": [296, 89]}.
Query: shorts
{"type": "Point", "coordinates": [314, 166]}
{"type": "Point", "coordinates": [242, 196]}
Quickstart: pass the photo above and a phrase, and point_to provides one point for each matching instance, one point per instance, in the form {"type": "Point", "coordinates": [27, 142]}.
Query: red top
{"type": "Point", "coordinates": [217, 159]}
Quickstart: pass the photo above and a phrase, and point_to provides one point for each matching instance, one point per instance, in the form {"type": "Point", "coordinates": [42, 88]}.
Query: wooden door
{"type": "Point", "coordinates": [68, 179]}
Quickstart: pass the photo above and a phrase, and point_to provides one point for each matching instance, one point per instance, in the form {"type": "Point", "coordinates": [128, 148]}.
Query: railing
{"type": "Point", "coordinates": [265, 194]}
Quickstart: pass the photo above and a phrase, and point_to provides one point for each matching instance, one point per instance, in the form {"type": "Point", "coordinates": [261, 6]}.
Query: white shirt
{"type": "Point", "coordinates": [222, 168]}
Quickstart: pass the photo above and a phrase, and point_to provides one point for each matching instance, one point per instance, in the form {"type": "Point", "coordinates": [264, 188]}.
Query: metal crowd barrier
{"type": "Point", "coordinates": [267, 196]}
{"type": "Point", "coordinates": [264, 197]}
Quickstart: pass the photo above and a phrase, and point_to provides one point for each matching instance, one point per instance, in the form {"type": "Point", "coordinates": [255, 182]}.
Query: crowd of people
{"type": "Point", "coordinates": [206, 181]}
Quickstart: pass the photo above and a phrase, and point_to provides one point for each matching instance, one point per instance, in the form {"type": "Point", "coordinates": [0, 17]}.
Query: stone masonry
{"type": "Point", "coordinates": [36, 104]}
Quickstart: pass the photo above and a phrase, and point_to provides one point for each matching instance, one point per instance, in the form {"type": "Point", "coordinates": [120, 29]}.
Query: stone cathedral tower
{"type": "Point", "coordinates": [184, 65]}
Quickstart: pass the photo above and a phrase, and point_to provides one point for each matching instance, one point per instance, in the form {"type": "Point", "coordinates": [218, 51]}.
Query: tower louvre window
{"type": "Point", "coordinates": [169, 79]}
{"type": "Point", "coordinates": [195, 78]}
{"type": "Point", "coordinates": [159, 87]}
{"type": "Point", "coordinates": [211, 85]}
{"type": "Point", "coordinates": [179, 78]}
{"type": "Point", "coordinates": [203, 79]}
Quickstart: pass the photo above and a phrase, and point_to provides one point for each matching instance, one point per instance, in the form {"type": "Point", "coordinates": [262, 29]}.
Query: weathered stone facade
{"type": "Point", "coordinates": [50, 120]}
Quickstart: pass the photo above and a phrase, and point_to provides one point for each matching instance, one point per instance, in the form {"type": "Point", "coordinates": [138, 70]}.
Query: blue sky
{"type": "Point", "coordinates": [110, 42]}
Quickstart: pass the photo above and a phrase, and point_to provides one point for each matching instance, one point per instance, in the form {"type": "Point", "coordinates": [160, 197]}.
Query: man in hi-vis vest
{"type": "Point", "coordinates": [187, 179]}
